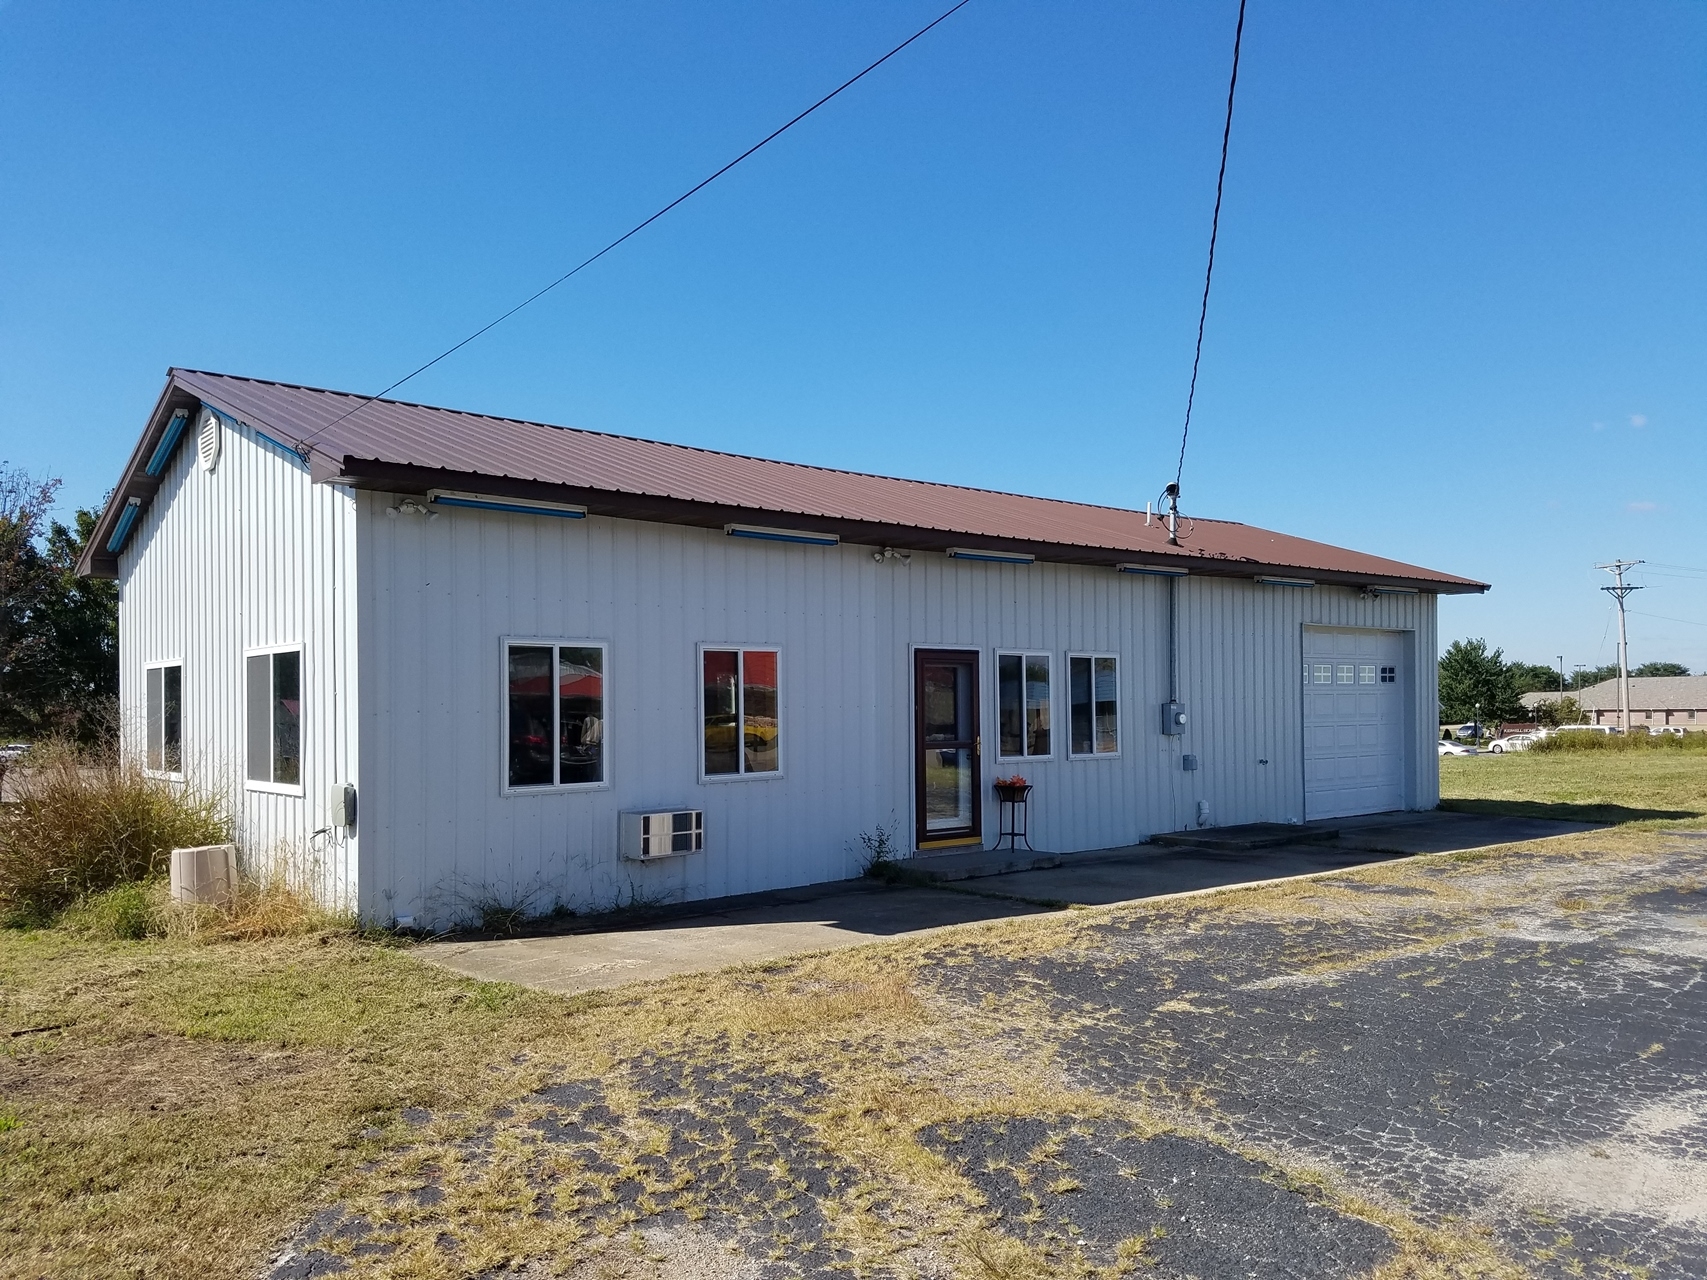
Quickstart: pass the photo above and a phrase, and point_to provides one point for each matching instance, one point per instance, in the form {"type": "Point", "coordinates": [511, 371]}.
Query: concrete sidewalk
{"type": "Point", "coordinates": [851, 913]}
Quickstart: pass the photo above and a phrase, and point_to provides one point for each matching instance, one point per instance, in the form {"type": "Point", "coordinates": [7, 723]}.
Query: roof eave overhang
{"type": "Point", "coordinates": [396, 477]}
{"type": "Point", "coordinates": [134, 481]}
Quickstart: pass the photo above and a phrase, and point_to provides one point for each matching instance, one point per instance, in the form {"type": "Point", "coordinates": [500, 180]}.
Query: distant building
{"type": "Point", "coordinates": [1655, 701]}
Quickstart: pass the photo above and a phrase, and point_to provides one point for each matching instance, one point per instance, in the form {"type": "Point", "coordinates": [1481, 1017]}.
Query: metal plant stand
{"type": "Point", "coordinates": [1012, 816]}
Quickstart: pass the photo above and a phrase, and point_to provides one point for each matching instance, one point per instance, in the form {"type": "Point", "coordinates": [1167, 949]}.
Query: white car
{"type": "Point", "coordinates": [1516, 742]}
{"type": "Point", "coordinates": [13, 751]}
{"type": "Point", "coordinates": [1449, 748]}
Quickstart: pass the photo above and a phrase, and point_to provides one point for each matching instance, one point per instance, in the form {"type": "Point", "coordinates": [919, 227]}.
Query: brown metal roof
{"type": "Point", "coordinates": [402, 447]}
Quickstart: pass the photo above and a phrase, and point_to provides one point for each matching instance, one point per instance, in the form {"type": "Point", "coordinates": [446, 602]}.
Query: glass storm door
{"type": "Point", "coordinates": [946, 747]}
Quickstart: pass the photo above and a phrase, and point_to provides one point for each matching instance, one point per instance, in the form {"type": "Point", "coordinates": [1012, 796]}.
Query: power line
{"type": "Point", "coordinates": [1214, 230]}
{"type": "Point", "coordinates": [305, 443]}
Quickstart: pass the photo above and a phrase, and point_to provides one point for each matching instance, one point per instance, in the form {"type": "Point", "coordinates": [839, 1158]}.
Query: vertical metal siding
{"type": "Point", "coordinates": [437, 596]}
{"type": "Point", "coordinates": [249, 555]}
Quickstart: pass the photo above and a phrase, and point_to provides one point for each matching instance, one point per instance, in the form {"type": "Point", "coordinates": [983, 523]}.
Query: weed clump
{"type": "Point", "coordinates": [89, 821]}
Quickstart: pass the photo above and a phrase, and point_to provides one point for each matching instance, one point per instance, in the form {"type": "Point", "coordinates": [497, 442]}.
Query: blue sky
{"type": "Point", "coordinates": [1460, 310]}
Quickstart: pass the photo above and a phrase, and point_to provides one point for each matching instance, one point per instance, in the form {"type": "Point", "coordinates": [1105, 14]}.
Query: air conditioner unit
{"type": "Point", "coordinates": [669, 834]}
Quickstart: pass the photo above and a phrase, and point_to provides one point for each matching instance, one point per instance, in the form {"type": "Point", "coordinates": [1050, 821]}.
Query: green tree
{"type": "Point", "coordinates": [1661, 669]}
{"type": "Point", "coordinates": [1591, 676]}
{"type": "Point", "coordinates": [58, 632]}
{"type": "Point", "coordinates": [1476, 682]}
{"type": "Point", "coordinates": [1564, 711]}
{"type": "Point", "coordinates": [1533, 677]}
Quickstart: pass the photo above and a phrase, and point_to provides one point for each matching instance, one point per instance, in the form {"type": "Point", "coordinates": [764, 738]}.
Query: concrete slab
{"type": "Point", "coordinates": [851, 913]}
{"type": "Point", "coordinates": [846, 914]}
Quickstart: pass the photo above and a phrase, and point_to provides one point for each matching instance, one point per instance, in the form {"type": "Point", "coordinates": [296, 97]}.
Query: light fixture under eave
{"type": "Point", "coordinates": [121, 530]}
{"type": "Point", "coordinates": [994, 557]}
{"type": "Point", "coordinates": [1268, 581]}
{"type": "Point", "coordinates": [1392, 591]}
{"type": "Point", "coordinates": [765, 534]}
{"type": "Point", "coordinates": [1154, 570]}
{"type": "Point", "coordinates": [168, 443]}
{"type": "Point", "coordinates": [496, 502]}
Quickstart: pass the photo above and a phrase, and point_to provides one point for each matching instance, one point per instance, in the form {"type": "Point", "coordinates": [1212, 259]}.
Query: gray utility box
{"type": "Point", "coordinates": [664, 833]}
{"type": "Point", "coordinates": [1173, 717]}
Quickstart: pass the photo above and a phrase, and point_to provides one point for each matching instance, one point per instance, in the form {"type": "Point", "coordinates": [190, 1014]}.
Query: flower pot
{"type": "Point", "coordinates": [1012, 795]}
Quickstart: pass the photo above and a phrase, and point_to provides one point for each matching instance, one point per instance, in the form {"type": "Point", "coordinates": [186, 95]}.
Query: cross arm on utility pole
{"type": "Point", "coordinates": [1620, 593]}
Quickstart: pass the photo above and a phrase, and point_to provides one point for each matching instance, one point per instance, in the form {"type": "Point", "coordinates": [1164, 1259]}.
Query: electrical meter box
{"type": "Point", "coordinates": [1173, 717]}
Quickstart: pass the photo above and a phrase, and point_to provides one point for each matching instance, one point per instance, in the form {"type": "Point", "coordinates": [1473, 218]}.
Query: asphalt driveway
{"type": "Point", "coordinates": [1481, 1064]}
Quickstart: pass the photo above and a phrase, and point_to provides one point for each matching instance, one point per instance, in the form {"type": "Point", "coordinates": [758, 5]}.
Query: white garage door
{"type": "Point", "coordinates": [1354, 722]}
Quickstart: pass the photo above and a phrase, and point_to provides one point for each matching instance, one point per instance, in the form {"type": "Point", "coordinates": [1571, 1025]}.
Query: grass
{"type": "Point", "coordinates": [175, 1105]}
{"type": "Point", "coordinates": [1586, 786]}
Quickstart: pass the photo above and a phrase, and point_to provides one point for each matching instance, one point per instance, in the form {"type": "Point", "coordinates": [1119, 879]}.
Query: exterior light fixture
{"type": "Point", "coordinates": [994, 557]}
{"type": "Point", "coordinates": [1285, 582]}
{"type": "Point", "coordinates": [127, 518]}
{"type": "Point", "coordinates": [168, 442]}
{"type": "Point", "coordinates": [1154, 570]}
{"type": "Point", "coordinates": [1391, 591]}
{"type": "Point", "coordinates": [764, 534]}
{"type": "Point", "coordinates": [494, 502]}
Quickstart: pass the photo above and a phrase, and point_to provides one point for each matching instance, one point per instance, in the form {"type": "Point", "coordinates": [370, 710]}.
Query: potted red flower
{"type": "Point", "coordinates": [1012, 790]}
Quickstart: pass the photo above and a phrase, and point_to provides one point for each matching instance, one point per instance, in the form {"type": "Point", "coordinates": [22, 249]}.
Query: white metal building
{"type": "Point", "coordinates": [437, 658]}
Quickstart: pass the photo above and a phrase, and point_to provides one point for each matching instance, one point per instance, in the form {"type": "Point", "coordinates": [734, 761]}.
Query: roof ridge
{"type": "Point", "coordinates": [721, 453]}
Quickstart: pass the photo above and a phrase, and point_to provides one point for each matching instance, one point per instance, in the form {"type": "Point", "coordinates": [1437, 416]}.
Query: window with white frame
{"type": "Point", "coordinates": [274, 701]}
{"type": "Point", "coordinates": [165, 715]}
{"type": "Point", "coordinates": [554, 714]}
{"type": "Point", "coordinates": [1022, 705]}
{"type": "Point", "coordinates": [1093, 697]}
{"type": "Point", "coordinates": [1324, 673]}
{"type": "Point", "coordinates": [739, 716]}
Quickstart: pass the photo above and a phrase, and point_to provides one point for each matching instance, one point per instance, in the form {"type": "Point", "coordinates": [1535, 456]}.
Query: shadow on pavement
{"type": "Point", "coordinates": [1597, 813]}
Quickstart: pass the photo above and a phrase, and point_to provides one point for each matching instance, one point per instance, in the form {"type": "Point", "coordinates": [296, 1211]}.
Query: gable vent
{"type": "Point", "coordinates": [207, 440]}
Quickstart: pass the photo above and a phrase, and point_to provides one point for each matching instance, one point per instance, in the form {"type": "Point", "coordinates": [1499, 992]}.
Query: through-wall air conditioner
{"type": "Point", "coordinates": [670, 833]}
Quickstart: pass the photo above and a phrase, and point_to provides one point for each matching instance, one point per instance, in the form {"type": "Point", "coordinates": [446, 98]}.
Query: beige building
{"type": "Point", "coordinates": [1655, 702]}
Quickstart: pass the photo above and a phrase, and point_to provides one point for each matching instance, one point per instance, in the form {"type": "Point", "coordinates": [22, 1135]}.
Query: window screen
{"type": "Point", "coordinates": [165, 719]}
{"type": "Point", "coordinates": [1095, 705]}
{"type": "Point", "coordinates": [742, 722]}
{"type": "Point", "coordinates": [556, 715]}
{"type": "Point", "coordinates": [274, 713]}
{"type": "Point", "coordinates": [1022, 711]}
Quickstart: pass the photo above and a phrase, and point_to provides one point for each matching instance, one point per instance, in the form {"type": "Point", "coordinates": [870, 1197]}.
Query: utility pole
{"type": "Point", "coordinates": [1617, 569]}
{"type": "Point", "coordinates": [1561, 675]}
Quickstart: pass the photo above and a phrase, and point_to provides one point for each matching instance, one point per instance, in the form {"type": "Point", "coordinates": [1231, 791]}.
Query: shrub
{"type": "Point", "coordinates": [263, 909]}
{"type": "Point", "coordinates": [86, 822]}
{"type": "Point", "coordinates": [1570, 741]}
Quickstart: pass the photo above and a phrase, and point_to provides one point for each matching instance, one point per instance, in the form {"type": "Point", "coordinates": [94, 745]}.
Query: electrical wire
{"type": "Point", "coordinates": [307, 441]}
{"type": "Point", "coordinates": [1214, 231]}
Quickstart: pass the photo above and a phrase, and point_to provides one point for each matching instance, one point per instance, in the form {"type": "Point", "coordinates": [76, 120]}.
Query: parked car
{"type": "Point", "coordinates": [12, 752]}
{"type": "Point", "coordinates": [1675, 729]}
{"type": "Point", "coordinates": [1448, 748]}
{"type": "Point", "coordinates": [1516, 742]}
{"type": "Point", "coordinates": [1588, 728]}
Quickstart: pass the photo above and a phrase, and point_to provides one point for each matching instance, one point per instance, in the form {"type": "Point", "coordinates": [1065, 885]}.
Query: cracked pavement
{"type": "Point", "coordinates": [1493, 1064]}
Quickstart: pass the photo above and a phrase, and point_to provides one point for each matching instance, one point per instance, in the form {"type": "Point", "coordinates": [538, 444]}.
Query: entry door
{"type": "Point", "coordinates": [946, 748]}
{"type": "Point", "coordinates": [1355, 757]}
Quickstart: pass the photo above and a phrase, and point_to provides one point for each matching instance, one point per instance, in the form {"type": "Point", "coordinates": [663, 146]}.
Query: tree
{"type": "Point", "coordinates": [24, 504]}
{"type": "Point", "coordinates": [1565, 710]}
{"type": "Point", "coordinates": [1475, 683]}
{"type": "Point", "coordinates": [1591, 676]}
{"type": "Point", "coordinates": [58, 632]}
{"type": "Point", "coordinates": [1661, 669]}
{"type": "Point", "coordinates": [1533, 677]}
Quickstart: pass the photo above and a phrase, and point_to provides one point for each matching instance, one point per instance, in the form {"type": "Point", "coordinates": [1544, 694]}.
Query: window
{"type": "Point", "coordinates": [1324, 673]}
{"type": "Point", "coordinates": [1366, 673]}
{"type": "Point", "coordinates": [1347, 673]}
{"type": "Point", "coordinates": [1022, 704]}
{"type": "Point", "coordinates": [738, 712]}
{"type": "Point", "coordinates": [275, 718]}
{"type": "Point", "coordinates": [165, 719]}
{"type": "Point", "coordinates": [554, 715]}
{"type": "Point", "coordinates": [1093, 690]}
{"type": "Point", "coordinates": [1692, 715]}
{"type": "Point", "coordinates": [1389, 675]}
